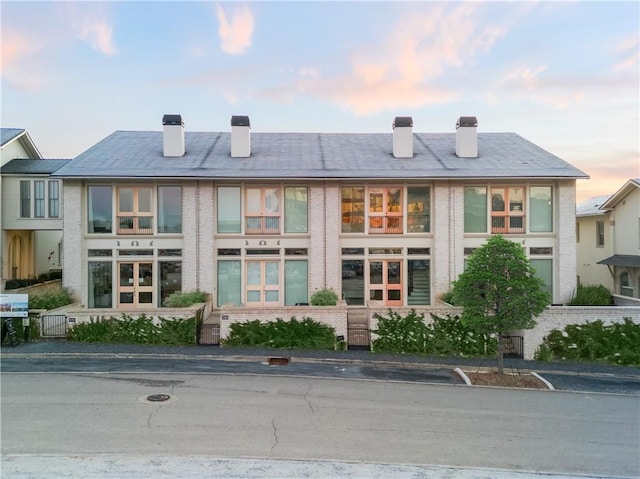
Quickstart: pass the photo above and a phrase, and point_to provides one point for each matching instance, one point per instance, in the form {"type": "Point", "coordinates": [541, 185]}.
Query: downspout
{"type": "Point", "coordinates": [198, 235]}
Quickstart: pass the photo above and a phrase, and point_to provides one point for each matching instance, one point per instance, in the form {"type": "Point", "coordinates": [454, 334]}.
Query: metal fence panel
{"type": "Point", "coordinates": [53, 326]}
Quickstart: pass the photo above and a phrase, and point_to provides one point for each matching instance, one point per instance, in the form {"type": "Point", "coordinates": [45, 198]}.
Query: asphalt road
{"type": "Point", "coordinates": [97, 416]}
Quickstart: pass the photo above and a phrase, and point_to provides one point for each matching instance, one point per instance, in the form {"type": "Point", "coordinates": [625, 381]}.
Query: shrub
{"type": "Point", "coordinates": [50, 299]}
{"type": "Point", "coordinates": [591, 295]}
{"type": "Point", "coordinates": [616, 343]}
{"type": "Point", "coordinates": [184, 300]}
{"type": "Point", "coordinates": [444, 336]}
{"type": "Point", "coordinates": [293, 334]}
{"type": "Point", "coordinates": [138, 330]}
{"type": "Point", "coordinates": [324, 297]}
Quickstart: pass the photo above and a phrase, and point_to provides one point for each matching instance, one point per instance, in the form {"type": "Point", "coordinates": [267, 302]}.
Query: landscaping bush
{"type": "Point", "coordinates": [324, 297]}
{"type": "Point", "coordinates": [444, 336]}
{"type": "Point", "coordinates": [591, 295]}
{"type": "Point", "coordinates": [24, 282]}
{"type": "Point", "coordinates": [293, 334]}
{"type": "Point", "coordinates": [616, 343]}
{"type": "Point", "coordinates": [184, 300]}
{"type": "Point", "coordinates": [50, 299]}
{"type": "Point", "coordinates": [138, 330]}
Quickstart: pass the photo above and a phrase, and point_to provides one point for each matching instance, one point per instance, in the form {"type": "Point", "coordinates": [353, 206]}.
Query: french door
{"type": "Point", "coordinates": [135, 284]}
{"type": "Point", "coordinates": [385, 281]}
{"type": "Point", "coordinates": [263, 283]}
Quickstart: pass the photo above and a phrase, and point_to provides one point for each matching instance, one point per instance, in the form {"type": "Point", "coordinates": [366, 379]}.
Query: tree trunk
{"type": "Point", "coordinates": [500, 355]}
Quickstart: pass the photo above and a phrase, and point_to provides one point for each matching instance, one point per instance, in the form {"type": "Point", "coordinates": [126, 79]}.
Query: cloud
{"type": "Point", "coordinates": [16, 63]}
{"type": "Point", "coordinates": [99, 34]}
{"type": "Point", "coordinates": [403, 71]}
{"type": "Point", "coordinates": [235, 31]}
{"type": "Point", "coordinates": [629, 49]}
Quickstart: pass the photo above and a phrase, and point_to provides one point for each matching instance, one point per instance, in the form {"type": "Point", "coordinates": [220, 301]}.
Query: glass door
{"type": "Point", "coordinates": [135, 284]}
{"type": "Point", "coordinates": [385, 281]}
{"type": "Point", "coordinates": [263, 283]}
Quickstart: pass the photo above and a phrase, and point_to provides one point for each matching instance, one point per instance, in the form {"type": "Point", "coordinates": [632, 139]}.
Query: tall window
{"type": "Point", "coordinates": [229, 216]}
{"type": "Point", "coordinates": [38, 199]}
{"type": "Point", "coordinates": [170, 279]}
{"type": "Point", "coordinates": [229, 283]}
{"type": "Point", "coordinates": [296, 280]}
{"type": "Point", "coordinates": [25, 199]}
{"type": "Point", "coordinates": [507, 210]}
{"type": "Point", "coordinates": [262, 211]}
{"type": "Point", "coordinates": [600, 234]}
{"type": "Point", "coordinates": [418, 209]}
{"type": "Point", "coordinates": [135, 215]}
{"type": "Point", "coordinates": [54, 199]}
{"type": "Point", "coordinates": [100, 209]}
{"type": "Point", "coordinates": [544, 270]}
{"type": "Point", "coordinates": [475, 209]}
{"type": "Point", "coordinates": [353, 209]}
{"type": "Point", "coordinates": [169, 209]}
{"type": "Point", "coordinates": [100, 284]}
{"type": "Point", "coordinates": [626, 288]}
{"type": "Point", "coordinates": [540, 209]}
{"type": "Point", "coordinates": [295, 206]}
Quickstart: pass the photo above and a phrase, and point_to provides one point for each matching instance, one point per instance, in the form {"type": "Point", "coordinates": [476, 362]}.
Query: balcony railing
{"type": "Point", "coordinates": [135, 225]}
{"type": "Point", "coordinates": [263, 225]}
{"type": "Point", "coordinates": [508, 224]}
{"type": "Point", "coordinates": [385, 224]}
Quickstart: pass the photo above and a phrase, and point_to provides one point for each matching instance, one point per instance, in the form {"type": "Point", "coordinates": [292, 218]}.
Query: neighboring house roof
{"type": "Point", "coordinates": [622, 260]}
{"type": "Point", "coordinates": [316, 155]}
{"type": "Point", "coordinates": [621, 194]}
{"type": "Point", "coordinates": [32, 167]}
{"type": "Point", "coordinates": [591, 207]}
{"type": "Point", "coordinates": [7, 135]}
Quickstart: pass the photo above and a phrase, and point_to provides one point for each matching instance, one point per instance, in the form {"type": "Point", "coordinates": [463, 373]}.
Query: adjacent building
{"type": "Point", "coordinates": [266, 219]}
{"type": "Point", "coordinates": [31, 212]}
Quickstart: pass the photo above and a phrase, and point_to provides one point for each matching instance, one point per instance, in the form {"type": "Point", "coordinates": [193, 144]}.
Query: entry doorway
{"type": "Point", "coordinates": [385, 281]}
{"type": "Point", "coordinates": [263, 283]}
{"type": "Point", "coordinates": [135, 284]}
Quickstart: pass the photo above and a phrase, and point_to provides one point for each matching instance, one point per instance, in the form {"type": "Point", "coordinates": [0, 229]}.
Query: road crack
{"type": "Point", "coordinates": [275, 435]}
{"type": "Point", "coordinates": [306, 398]}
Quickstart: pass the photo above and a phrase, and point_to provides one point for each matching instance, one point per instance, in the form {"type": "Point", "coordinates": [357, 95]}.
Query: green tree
{"type": "Point", "coordinates": [499, 291]}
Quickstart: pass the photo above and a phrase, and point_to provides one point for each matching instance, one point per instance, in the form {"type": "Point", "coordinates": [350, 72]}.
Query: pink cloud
{"type": "Point", "coordinates": [402, 71]}
{"type": "Point", "coordinates": [236, 30]}
{"type": "Point", "coordinates": [17, 65]}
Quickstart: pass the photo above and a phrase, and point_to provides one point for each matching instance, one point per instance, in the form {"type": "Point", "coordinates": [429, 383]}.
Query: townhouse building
{"type": "Point", "coordinates": [266, 219]}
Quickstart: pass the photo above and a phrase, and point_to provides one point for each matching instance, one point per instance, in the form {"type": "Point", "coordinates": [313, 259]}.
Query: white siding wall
{"type": "Point", "coordinates": [73, 253]}
{"type": "Point", "coordinates": [564, 268]}
{"type": "Point", "coordinates": [590, 272]}
{"type": "Point", "coordinates": [190, 230]}
{"type": "Point", "coordinates": [206, 225]}
{"type": "Point", "coordinates": [626, 216]}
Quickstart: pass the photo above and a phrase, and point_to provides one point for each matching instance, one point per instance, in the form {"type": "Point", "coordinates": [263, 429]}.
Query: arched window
{"type": "Point", "coordinates": [626, 289]}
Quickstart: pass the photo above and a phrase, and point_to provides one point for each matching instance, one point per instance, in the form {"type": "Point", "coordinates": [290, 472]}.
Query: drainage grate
{"type": "Point", "coordinates": [278, 361]}
{"type": "Point", "coordinates": [158, 397]}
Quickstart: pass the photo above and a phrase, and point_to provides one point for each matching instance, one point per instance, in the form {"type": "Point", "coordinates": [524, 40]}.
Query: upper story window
{"type": "Point", "coordinates": [383, 209]}
{"type": "Point", "coordinates": [136, 212]}
{"type": "Point", "coordinates": [39, 199]}
{"type": "Point", "coordinates": [509, 209]}
{"type": "Point", "coordinates": [266, 210]}
{"type": "Point", "coordinates": [600, 234]}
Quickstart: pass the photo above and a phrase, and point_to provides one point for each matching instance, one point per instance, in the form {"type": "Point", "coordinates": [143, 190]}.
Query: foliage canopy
{"type": "Point", "coordinates": [499, 291]}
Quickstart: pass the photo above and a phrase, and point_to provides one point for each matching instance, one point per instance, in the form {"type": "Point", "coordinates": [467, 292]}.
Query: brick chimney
{"type": "Point", "coordinates": [403, 137]}
{"type": "Point", "coordinates": [172, 136]}
{"type": "Point", "coordinates": [240, 137]}
{"type": "Point", "coordinates": [467, 137]}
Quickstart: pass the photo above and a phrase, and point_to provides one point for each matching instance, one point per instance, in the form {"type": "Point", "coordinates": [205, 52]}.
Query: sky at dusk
{"type": "Point", "coordinates": [564, 75]}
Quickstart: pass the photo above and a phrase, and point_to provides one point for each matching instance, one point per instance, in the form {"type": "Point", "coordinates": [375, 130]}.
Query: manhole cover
{"type": "Point", "coordinates": [278, 361]}
{"type": "Point", "coordinates": [158, 397]}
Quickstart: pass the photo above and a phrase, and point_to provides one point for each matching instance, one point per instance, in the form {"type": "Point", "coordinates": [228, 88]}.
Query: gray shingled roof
{"type": "Point", "coordinates": [32, 167]}
{"type": "Point", "coordinates": [591, 206]}
{"type": "Point", "coordinates": [316, 155]}
{"type": "Point", "coordinates": [8, 134]}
